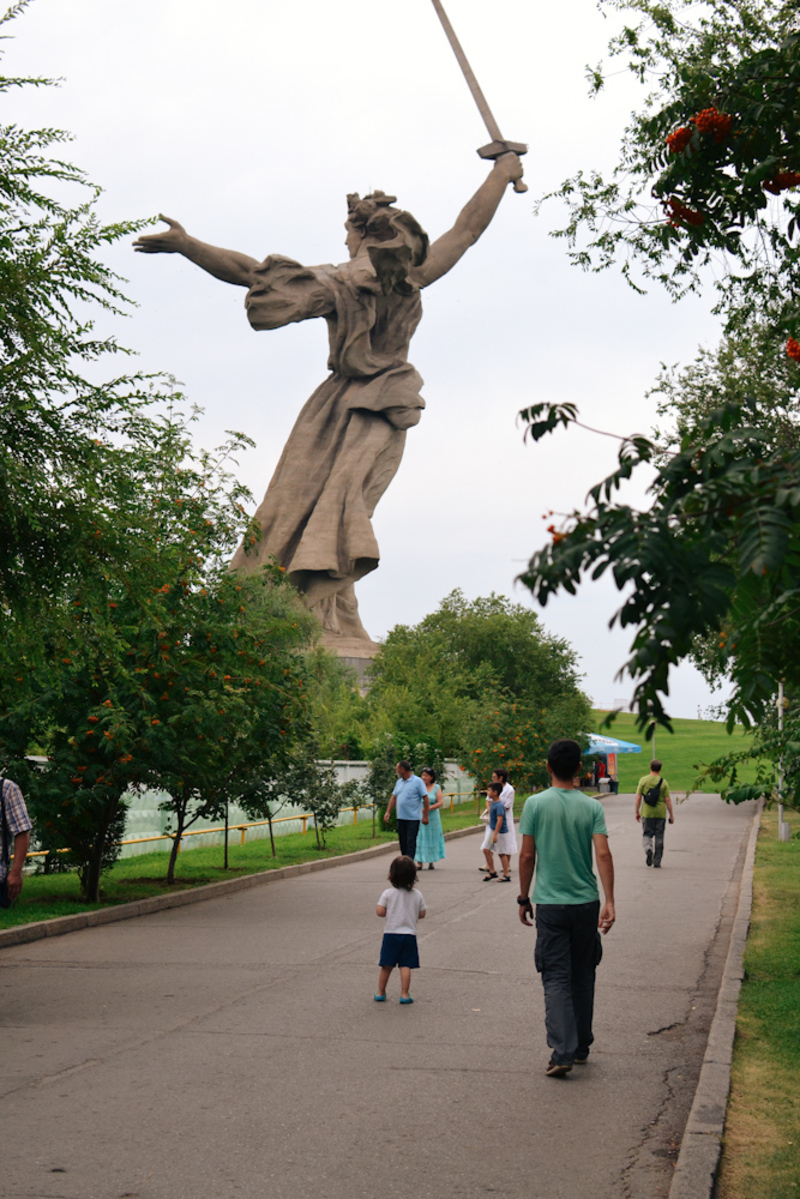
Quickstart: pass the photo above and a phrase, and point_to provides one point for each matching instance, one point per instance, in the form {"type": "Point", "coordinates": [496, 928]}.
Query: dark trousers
{"type": "Point", "coordinates": [568, 949]}
{"type": "Point", "coordinates": [407, 832]}
{"type": "Point", "coordinates": [653, 836]}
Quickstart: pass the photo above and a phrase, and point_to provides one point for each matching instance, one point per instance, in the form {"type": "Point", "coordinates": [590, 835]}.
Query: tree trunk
{"type": "Point", "coordinates": [180, 818]}
{"type": "Point", "coordinates": [90, 875]}
{"type": "Point", "coordinates": [90, 879]}
{"type": "Point", "coordinates": [271, 835]}
{"type": "Point", "coordinates": [225, 867]}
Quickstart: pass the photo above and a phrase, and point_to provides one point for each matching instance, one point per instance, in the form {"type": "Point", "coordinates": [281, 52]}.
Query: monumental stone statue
{"type": "Point", "coordinates": [347, 442]}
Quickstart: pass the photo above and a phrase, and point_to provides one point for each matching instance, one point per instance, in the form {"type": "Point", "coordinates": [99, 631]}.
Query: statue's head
{"type": "Point", "coordinates": [390, 235]}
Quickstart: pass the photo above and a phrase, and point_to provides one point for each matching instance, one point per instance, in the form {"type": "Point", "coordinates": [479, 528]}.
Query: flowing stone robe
{"type": "Point", "coordinates": [347, 442]}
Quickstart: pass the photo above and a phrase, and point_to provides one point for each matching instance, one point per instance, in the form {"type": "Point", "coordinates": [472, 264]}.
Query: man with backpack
{"type": "Point", "coordinates": [652, 804]}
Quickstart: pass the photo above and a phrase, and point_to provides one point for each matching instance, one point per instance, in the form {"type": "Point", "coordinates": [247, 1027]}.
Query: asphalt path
{"type": "Point", "coordinates": [232, 1048]}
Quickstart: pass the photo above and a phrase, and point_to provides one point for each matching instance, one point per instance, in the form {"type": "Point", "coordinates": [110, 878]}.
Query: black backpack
{"type": "Point", "coordinates": [653, 796]}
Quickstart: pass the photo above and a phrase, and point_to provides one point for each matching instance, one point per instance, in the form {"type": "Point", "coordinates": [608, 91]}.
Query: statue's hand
{"type": "Point", "coordinates": [509, 165]}
{"type": "Point", "coordinates": [172, 241]}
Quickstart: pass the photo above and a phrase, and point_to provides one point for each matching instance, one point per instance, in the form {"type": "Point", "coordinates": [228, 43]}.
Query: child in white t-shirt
{"type": "Point", "coordinates": [402, 906]}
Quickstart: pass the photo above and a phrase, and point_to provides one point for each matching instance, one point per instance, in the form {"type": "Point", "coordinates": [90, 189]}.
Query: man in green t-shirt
{"type": "Point", "coordinates": [653, 817]}
{"type": "Point", "coordinates": [559, 827]}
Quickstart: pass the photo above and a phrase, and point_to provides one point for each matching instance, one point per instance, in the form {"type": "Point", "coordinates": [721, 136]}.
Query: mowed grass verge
{"type": "Point", "coordinates": [49, 895]}
{"type": "Point", "coordinates": [761, 1149]}
{"type": "Point", "coordinates": [693, 744]}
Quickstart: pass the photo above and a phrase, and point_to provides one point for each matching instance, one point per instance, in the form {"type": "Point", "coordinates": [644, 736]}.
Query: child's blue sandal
{"type": "Point", "coordinates": [380, 999]}
{"type": "Point", "coordinates": [406, 999]}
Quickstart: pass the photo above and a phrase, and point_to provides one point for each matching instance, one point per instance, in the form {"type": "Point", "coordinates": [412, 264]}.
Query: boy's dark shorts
{"type": "Point", "coordinates": [399, 949]}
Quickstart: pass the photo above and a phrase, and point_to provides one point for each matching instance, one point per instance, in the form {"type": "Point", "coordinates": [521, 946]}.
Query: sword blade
{"type": "Point", "coordinates": [472, 82]}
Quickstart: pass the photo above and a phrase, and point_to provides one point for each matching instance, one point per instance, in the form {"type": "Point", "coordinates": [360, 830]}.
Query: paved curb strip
{"type": "Point", "coordinates": [24, 933]}
{"type": "Point", "coordinates": [698, 1161]}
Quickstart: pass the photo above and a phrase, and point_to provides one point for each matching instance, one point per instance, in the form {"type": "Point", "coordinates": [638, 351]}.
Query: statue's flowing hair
{"type": "Point", "coordinates": [400, 242]}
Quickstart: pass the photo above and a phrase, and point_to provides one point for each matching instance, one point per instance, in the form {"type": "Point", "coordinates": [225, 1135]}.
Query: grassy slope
{"type": "Point", "coordinates": [693, 743]}
{"type": "Point", "coordinates": [46, 896]}
{"type": "Point", "coordinates": [761, 1154]}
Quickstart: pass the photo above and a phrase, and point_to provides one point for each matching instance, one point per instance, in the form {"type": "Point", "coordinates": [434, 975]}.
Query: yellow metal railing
{"type": "Point", "coordinates": [242, 828]}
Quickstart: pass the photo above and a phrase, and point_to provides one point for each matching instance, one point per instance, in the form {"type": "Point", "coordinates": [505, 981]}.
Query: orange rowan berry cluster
{"type": "Point", "coordinates": [679, 140]}
{"type": "Point", "coordinates": [710, 120]}
{"type": "Point", "coordinates": [793, 349]}
{"type": "Point", "coordinates": [780, 182]}
{"type": "Point", "coordinates": [679, 213]}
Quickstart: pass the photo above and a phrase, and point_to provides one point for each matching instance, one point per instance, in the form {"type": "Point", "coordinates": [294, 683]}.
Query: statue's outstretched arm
{"type": "Point", "coordinates": [472, 220]}
{"type": "Point", "coordinates": [228, 265]}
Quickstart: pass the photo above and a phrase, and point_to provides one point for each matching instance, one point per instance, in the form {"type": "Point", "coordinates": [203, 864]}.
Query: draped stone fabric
{"type": "Point", "coordinates": [347, 442]}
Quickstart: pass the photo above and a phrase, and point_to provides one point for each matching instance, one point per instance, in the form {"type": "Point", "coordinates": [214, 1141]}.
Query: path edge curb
{"type": "Point", "coordinates": [24, 934]}
{"type": "Point", "coordinates": [701, 1146]}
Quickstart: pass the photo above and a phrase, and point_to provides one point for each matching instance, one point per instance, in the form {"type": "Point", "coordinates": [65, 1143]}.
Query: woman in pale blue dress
{"type": "Point", "coordinates": [430, 838]}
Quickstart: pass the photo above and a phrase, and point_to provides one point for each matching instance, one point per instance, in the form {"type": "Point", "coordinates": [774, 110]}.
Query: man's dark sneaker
{"type": "Point", "coordinates": [581, 1061]}
{"type": "Point", "coordinates": [649, 857]}
{"type": "Point", "coordinates": [557, 1070]}
{"type": "Point", "coordinates": [657, 865]}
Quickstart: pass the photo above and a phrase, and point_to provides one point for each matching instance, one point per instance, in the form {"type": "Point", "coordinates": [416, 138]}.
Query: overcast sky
{"type": "Point", "coordinates": [250, 122]}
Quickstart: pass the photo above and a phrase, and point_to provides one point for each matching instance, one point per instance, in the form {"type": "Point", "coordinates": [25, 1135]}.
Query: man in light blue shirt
{"type": "Point", "coordinates": [411, 796]}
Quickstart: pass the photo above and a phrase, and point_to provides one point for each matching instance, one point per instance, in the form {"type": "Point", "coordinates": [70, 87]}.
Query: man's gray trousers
{"type": "Point", "coordinates": [568, 950]}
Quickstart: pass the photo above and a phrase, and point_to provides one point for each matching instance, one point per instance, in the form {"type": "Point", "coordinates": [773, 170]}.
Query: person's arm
{"type": "Point", "coordinates": [433, 807]}
{"type": "Point", "coordinates": [638, 813]}
{"type": "Point", "coordinates": [527, 861]}
{"type": "Point", "coordinates": [423, 914]}
{"type": "Point", "coordinates": [380, 910]}
{"type": "Point", "coordinates": [22, 843]}
{"type": "Point", "coordinates": [426, 805]}
{"type": "Point", "coordinates": [471, 222]}
{"type": "Point", "coordinates": [668, 802]}
{"type": "Point", "coordinates": [389, 808]}
{"type": "Point", "coordinates": [228, 265]}
{"type": "Point", "coordinates": [605, 868]}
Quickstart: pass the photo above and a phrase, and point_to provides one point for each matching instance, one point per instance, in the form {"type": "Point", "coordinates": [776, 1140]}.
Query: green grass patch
{"type": "Point", "coordinates": [47, 896]}
{"type": "Point", "coordinates": [761, 1151]}
{"type": "Point", "coordinates": [694, 743]}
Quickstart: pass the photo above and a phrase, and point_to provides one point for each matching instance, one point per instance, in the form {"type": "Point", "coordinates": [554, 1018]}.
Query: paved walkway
{"type": "Point", "coordinates": [232, 1048]}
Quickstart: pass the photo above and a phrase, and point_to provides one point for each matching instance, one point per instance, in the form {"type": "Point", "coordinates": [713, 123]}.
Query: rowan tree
{"type": "Point", "coordinates": [707, 173]}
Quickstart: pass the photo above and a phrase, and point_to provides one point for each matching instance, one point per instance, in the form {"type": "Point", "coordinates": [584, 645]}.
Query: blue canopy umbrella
{"type": "Point", "coordinates": [610, 745]}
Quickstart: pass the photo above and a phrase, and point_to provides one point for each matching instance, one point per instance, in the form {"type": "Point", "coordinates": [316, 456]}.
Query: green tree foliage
{"type": "Point", "coordinates": [182, 676]}
{"type": "Point", "coordinates": [289, 781]}
{"type": "Point", "coordinates": [453, 682]}
{"type": "Point", "coordinates": [709, 167]}
{"type": "Point", "coordinates": [709, 567]}
{"type": "Point", "coordinates": [752, 366]}
{"type": "Point", "coordinates": [60, 475]}
{"type": "Point", "coordinates": [776, 754]}
{"type": "Point", "coordinates": [339, 714]}
{"type": "Point", "coordinates": [717, 553]}
{"type": "Point", "coordinates": [128, 652]}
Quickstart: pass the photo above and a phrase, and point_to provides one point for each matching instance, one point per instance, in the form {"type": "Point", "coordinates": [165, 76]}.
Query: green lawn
{"type": "Point", "coordinates": [46, 896]}
{"type": "Point", "coordinates": [683, 752]}
{"type": "Point", "coordinates": [761, 1151]}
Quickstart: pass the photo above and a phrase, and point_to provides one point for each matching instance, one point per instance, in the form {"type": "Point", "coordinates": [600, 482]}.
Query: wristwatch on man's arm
{"type": "Point", "coordinates": [523, 901]}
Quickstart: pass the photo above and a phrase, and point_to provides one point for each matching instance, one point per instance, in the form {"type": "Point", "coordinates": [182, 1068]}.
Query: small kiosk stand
{"type": "Point", "coordinates": [605, 750]}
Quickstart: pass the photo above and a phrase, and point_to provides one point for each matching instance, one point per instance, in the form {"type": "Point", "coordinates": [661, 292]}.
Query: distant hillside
{"type": "Point", "coordinates": [693, 743]}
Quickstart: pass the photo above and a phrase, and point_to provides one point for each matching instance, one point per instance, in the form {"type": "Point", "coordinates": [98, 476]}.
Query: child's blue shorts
{"type": "Point", "coordinates": [399, 949]}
